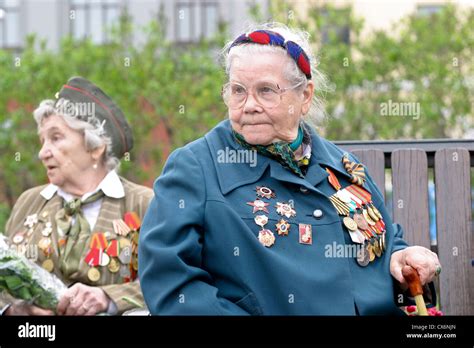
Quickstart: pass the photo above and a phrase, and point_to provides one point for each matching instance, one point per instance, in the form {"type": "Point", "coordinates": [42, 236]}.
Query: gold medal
{"type": "Point", "coordinates": [349, 223]}
{"type": "Point", "coordinates": [135, 263]}
{"type": "Point", "coordinates": [372, 214]}
{"type": "Point", "coordinates": [44, 243]}
{"type": "Point", "coordinates": [367, 218]}
{"type": "Point", "coordinates": [370, 250]}
{"type": "Point", "coordinates": [377, 250]}
{"type": "Point", "coordinates": [283, 227]}
{"type": "Point", "coordinates": [48, 265]}
{"type": "Point", "coordinates": [376, 211]}
{"type": "Point", "coordinates": [93, 274]}
{"type": "Point", "coordinates": [123, 243]}
{"type": "Point", "coordinates": [114, 265]}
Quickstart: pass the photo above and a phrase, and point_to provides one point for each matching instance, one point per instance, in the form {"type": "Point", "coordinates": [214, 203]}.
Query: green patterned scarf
{"type": "Point", "coordinates": [76, 234]}
{"type": "Point", "coordinates": [283, 152]}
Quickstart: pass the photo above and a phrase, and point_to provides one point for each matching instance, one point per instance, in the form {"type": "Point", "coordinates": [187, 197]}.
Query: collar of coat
{"type": "Point", "coordinates": [232, 175]}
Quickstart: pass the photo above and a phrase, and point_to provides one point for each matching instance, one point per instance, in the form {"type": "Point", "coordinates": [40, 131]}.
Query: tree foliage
{"type": "Point", "coordinates": [423, 60]}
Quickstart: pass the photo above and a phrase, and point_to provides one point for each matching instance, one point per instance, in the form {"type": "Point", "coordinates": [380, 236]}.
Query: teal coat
{"type": "Point", "coordinates": [199, 253]}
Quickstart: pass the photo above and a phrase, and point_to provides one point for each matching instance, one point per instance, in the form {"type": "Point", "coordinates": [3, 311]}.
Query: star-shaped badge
{"type": "Point", "coordinates": [259, 205]}
{"type": "Point", "coordinates": [285, 209]}
{"type": "Point", "coordinates": [283, 227]}
{"type": "Point", "coordinates": [31, 220]}
{"type": "Point", "coordinates": [265, 192]}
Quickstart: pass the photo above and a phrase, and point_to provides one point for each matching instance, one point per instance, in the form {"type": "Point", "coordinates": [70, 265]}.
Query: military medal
{"type": "Point", "coordinates": [113, 248]}
{"type": "Point", "coordinates": [282, 227]}
{"type": "Point", "coordinates": [104, 259]}
{"type": "Point", "coordinates": [266, 238]}
{"type": "Point", "coordinates": [349, 223]}
{"type": "Point", "coordinates": [114, 265]}
{"type": "Point", "coordinates": [135, 263]}
{"type": "Point", "coordinates": [363, 258]}
{"type": "Point", "coordinates": [124, 243]}
{"type": "Point", "coordinates": [31, 220]}
{"type": "Point", "coordinates": [120, 227]}
{"type": "Point", "coordinates": [377, 250]}
{"type": "Point", "coordinates": [261, 220]}
{"type": "Point", "coordinates": [132, 220]}
{"type": "Point", "coordinates": [305, 234]}
{"type": "Point", "coordinates": [285, 209]}
{"type": "Point", "coordinates": [265, 192]}
{"type": "Point", "coordinates": [370, 250]}
{"type": "Point", "coordinates": [259, 205]}
{"type": "Point", "coordinates": [19, 237]}
{"type": "Point", "coordinates": [357, 237]}
{"type": "Point", "coordinates": [98, 240]}
{"type": "Point", "coordinates": [47, 229]}
{"type": "Point", "coordinates": [125, 255]}
{"type": "Point", "coordinates": [367, 218]}
{"type": "Point", "coordinates": [48, 265]}
{"type": "Point", "coordinates": [360, 221]}
{"type": "Point", "coordinates": [93, 274]}
{"type": "Point", "coordinates": [124, 271]}
{"type": "Point", "coordinates": [44, 243]}
{"type": "Point", "coordinates": [355, 170]}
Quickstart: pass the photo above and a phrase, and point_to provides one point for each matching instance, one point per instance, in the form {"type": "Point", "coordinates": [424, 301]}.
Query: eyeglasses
{"type": "Point", "coordinates": [266, 94]}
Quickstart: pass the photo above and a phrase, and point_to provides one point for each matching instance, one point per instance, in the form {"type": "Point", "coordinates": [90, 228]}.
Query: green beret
{"type": "Point", "coordinates": [98, 107]}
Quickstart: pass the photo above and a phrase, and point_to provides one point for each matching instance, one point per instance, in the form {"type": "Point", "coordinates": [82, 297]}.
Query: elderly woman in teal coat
{"type": "Point", "coordinates": [264, 216]}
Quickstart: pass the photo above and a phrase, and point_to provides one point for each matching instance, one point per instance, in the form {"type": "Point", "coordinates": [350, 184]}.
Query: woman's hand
{"type": "Point", "coordinates": [82, 299]}
{"type": "Point", "coordinates": [21, 307]}
{"type": "Point", "coordinates": [424, 261]}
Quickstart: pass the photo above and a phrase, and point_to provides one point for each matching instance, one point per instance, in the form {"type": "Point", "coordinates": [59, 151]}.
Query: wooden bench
{"type": "Point", "coordinates": [408, 163]}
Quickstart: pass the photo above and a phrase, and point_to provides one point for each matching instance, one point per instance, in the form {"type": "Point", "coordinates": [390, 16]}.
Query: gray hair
{"type": "Point", "coordinates": [93, 130]}
{"type": "Point", "coordinates": [294, 75]}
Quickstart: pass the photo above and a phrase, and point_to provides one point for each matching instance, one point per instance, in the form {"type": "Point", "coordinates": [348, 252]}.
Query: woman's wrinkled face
{"type": "Point", "coordinates": [261, 125]}
{"type": "Point", "coordinates": [63, 152]}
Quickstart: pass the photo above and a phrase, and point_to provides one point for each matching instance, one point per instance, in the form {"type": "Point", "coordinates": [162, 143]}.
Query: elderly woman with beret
{"type": "Point", "coordinates": [249, 218]}
{"type": "Point", "coordinates": [85, 222]}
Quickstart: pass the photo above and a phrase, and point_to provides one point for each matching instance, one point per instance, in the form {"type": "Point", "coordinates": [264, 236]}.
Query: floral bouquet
{"type": "Point", "coordinates": [432, 312]}
{"type": "Point", "coordinates": [25, 280]}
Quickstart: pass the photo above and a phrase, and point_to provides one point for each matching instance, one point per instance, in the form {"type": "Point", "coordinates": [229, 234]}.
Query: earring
{"type": "Point", "coordinates": [94, 166]}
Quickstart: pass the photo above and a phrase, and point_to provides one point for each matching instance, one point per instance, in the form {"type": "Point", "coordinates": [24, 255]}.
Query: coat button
{"type": "Point", "coordinates": [318, 213]}
{"type": "Point", "coordinates": [303, 189]}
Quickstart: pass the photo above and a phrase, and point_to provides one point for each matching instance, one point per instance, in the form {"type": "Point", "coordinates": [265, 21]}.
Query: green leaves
{"type": "Point", "coordinates": [25, 280]}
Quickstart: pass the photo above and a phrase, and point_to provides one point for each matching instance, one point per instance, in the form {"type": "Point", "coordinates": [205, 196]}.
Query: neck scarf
{"type": "Point", "coordinates": [75, 234]}
{"type": "Point", "coordinates": [283, 152]}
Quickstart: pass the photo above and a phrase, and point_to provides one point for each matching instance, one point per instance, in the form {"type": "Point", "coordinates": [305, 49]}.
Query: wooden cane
{"type": "Point", "coordinates": [414, 284]}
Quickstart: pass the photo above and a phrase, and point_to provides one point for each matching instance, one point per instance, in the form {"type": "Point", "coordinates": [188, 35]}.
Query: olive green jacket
{"type": "Point", "coordinates": [31, 202]}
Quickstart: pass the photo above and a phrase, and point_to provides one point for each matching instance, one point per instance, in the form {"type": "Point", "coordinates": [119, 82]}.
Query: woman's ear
{"type": "Point", "coordinates": [308, 94]}
{"type": "Point", "coordinates": [98, 152]}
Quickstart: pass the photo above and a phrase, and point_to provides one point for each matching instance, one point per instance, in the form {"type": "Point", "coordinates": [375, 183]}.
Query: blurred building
{"type": "Point", "coordinates": [187, 20]}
